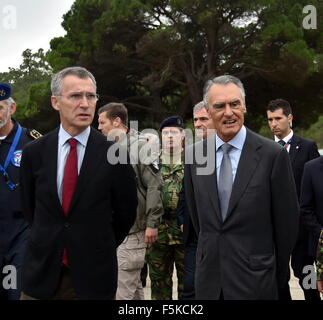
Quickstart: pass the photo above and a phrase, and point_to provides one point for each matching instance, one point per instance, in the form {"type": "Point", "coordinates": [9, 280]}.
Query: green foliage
{"type": "Point", "coordinates": [155, 55]}
{"type": "Point", "coordinates": [315, 132]}
{"type": "Point", "coordinates": [27, 82]}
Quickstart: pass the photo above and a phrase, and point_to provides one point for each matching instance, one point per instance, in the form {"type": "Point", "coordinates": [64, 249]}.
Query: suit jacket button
{"type": "Point", "coordinates": [66, 224]}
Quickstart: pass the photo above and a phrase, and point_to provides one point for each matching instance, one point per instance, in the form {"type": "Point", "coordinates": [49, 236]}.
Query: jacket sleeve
{"type": "Point", "coordinates": [190, 198]}
{"type": "Point", "coordinates": [152, 180]}
{"type": "Point", "coordinates": [124, 200]}
{"type": "Point", "coordinates": [285, 213]}
{"type": "Point", "coordinates": [308, 216]}
{"type": "Point", "coordinates": [313, 152]}
{"type": "Point", "coordinates": [27, 185]}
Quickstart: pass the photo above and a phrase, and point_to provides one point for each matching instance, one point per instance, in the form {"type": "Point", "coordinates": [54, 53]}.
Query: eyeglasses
{"type": "Point", "coordinates": [77, 97]}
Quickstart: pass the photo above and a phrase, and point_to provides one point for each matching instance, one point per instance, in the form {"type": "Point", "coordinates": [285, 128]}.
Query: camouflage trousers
{"type": "Point", "coordinates": [161, 259]}
{"type": "Point", "coordinates": [319, 258]}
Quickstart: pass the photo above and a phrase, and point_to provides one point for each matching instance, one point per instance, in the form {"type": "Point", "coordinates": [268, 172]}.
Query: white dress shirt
{"type": "Point", "coordinates": [63, 151]}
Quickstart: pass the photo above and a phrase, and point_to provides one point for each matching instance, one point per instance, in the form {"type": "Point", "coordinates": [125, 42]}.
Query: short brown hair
{"type": "Point", "coordinates": [274, 105]}
{"type": "Point", "coordinates": [114, 110]}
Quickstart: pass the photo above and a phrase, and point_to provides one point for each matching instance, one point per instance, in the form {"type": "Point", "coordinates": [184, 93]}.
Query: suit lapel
{"type": "Point", "coordinates": [248, 163]}
{"type": "Point", "coordinates": [294, 148]}
{"type": "Point", "coordinates": [210, 181]}
{"type": "Point", "coordinates": [50, 152]}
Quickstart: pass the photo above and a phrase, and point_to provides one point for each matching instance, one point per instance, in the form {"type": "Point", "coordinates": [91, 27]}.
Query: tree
{"type": "Point", "coordinates": [34, 69]}
{"type": "Point", "coordinates": [155, 55]}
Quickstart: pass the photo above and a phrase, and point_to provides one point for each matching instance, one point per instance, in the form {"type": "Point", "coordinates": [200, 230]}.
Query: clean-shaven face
{"type": "Point", "coordinates": [76, 103]}
{"type": "Point", "coordinates": [105, 124]}
{"type": "Point", "coordinates": [202, 122]}
{"type": "Point", "coordinates": [227, 109]}
{"type": "Point", "coordinates": [279, 123]}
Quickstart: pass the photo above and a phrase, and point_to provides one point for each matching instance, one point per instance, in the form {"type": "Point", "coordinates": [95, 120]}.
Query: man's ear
{"type": "Point", "coordinates": [244, 108]}
{"type": "Point", "coordinates": [55, 103]}
{"type": "Point", "coordinates": [116, 122]}
{"type": "Point", "coordinates": [12, 108]}
{"type": "Point", "coordinates": [290, 119]}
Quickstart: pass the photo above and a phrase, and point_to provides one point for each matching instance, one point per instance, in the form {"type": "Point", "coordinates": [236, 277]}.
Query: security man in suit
{"type": "Point", "coordinates": [14, 228]}
{"type": "Point", "coordinates": [301, 150]}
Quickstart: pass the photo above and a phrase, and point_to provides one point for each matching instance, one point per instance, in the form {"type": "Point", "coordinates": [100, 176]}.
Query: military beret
{"type": "Point", "coordinates": [5, 91]}
{"type": "Point", "coordinates": [172, 121]}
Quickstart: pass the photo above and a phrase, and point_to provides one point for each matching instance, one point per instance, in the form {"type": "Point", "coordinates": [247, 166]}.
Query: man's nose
{"type": "Point", "coordinates": [84, 103]}
{"type": "Point", "coordinates": [228, 110]}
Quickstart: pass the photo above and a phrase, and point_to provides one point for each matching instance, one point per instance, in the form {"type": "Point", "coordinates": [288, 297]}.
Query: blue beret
{"type": "Point", "coordinates": [172, 121]}
{"type": "Point", "coordinates": [5, 91]}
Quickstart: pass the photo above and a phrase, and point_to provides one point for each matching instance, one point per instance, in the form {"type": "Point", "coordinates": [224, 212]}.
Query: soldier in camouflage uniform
{"type": "Point", "coordinates": [113, 119]}
{"type": "Point", "coordinates": [168, 249]}
{"type": "Point", "coordinates": [319, 262]}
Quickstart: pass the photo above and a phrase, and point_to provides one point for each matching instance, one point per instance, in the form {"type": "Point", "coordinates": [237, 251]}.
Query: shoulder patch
{"type": "Point", "coordinates": [34, 134]}
{"type": "Point", "coordinates": [16, 158]}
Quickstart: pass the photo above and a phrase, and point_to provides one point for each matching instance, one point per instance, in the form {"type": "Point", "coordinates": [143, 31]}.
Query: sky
{"type": "Point", "coordinates": [28, 24]}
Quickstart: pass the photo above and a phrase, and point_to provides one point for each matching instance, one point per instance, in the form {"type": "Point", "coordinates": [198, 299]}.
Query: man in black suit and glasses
{"type": "Point", "coordinates": [79, 205]}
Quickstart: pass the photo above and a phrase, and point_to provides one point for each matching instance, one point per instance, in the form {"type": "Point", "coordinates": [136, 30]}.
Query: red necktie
{"type": "Point", "coordinates": [69, 181]}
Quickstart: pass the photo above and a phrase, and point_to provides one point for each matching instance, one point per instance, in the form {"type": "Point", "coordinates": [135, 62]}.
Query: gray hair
{"type": "Point", "coordinates": [57, 79]}
{"type": "Point", "coordinates": [225, 79]}
{"type": "Point", "coordinates": [200, 105]}
{"type": "Point", "coordinates": [8, 102]}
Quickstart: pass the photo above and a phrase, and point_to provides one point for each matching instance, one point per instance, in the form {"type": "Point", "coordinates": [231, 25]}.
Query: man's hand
{"type": "Point", "coordinates": [182, 227]}
{"type": "Point", "coordinates": [320, 285]}
{"type": "Point", "coordinates": [151, 235]}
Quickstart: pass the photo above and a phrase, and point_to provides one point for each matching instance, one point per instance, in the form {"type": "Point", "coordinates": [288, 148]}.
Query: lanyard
{"type": "Point", "coordinates": [3, 169]}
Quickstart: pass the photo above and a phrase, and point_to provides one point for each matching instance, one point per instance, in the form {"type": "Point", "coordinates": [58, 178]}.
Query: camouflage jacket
{"type": "Point", "coordinates": [319, 258]}
{"type": "Point", "coordinates": [149, 183]}
{"type": "Point", "coordinates": [172, 174]}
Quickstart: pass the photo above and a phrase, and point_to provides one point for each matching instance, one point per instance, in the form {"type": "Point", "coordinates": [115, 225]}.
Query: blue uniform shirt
{"type": "Point", "coordinates": [12, 222]}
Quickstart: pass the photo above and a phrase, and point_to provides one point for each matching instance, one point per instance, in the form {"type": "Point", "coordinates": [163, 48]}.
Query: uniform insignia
{"type": "Point", "coordinates": [16, 158]}
{"type": "Point", "coordinates": [35, 134]}
{"type": "Point", "coordinates": [2, 93]}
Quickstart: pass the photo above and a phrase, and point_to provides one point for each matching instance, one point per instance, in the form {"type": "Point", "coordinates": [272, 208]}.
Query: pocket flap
{"type": "Point", "coordinates": [261, 261]}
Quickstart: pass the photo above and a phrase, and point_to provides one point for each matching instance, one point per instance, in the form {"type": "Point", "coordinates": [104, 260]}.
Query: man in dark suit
{"type": "Point", "coordinates": [80, 206]}
{"type": "Point", "coordinates": [311, 203]}
{"type": "Point", "coordinates": [301, 150]}
{"type": "Point", "coordinates": [203, 125]}
{"type": "Point", "coordinates": [242, 201]}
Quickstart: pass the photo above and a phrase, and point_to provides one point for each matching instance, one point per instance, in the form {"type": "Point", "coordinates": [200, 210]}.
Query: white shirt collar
{"type": "Point", "coordinates": [82, 137]}
{"type": "Point", "coordinates": [237, 141]}
{"type": "Point", "coordinates": [287, 138]}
